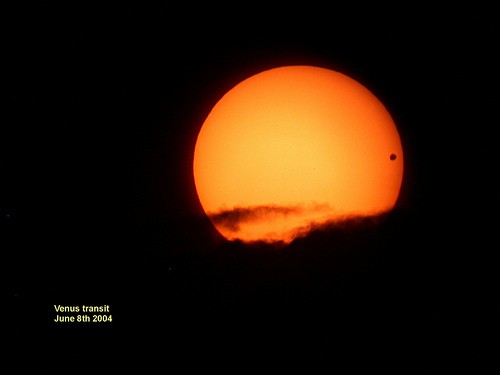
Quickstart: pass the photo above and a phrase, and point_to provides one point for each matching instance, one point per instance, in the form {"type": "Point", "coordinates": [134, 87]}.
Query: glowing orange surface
{"type": "Point", "coordinates": [292, 147]}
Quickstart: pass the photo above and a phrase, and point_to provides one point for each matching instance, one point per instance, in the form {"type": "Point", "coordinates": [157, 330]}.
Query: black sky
{"type": "Point", "coordinates": [100, 108]}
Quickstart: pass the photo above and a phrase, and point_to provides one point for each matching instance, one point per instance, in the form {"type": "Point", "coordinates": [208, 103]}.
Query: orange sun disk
{"type": "Point", "coordinates": [293, 147]}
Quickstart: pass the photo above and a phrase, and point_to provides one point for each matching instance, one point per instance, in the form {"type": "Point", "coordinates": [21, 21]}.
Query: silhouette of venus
{"type": "Point", "coordinates": [292, 148]}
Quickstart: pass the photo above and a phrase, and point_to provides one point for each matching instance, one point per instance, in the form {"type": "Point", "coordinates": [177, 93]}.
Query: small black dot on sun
{"type": "Point", "coordinates": [392, 157]}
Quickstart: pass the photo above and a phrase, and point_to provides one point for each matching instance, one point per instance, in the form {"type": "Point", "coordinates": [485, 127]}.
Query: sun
{"type": "Point", "coordinates": [293, 147]}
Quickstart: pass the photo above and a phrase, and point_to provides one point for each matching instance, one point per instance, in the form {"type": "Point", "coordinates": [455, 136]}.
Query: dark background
{"type": "Point", "coordinates": [100, 109]}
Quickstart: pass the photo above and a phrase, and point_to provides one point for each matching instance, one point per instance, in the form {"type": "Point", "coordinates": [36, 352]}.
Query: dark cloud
{"type": "Point", "coordinates": [345, 223]}
{"type": "Point", "coordinates": [232, 219]}
{"type": "Point", "coordinates": [351, 227]}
